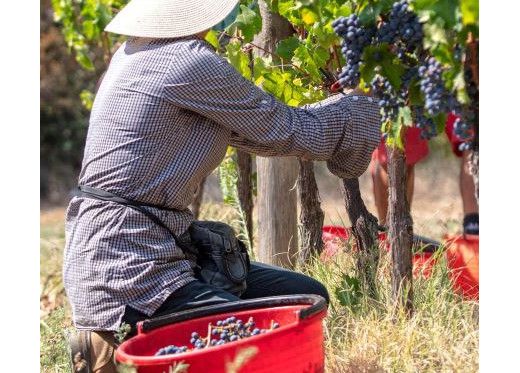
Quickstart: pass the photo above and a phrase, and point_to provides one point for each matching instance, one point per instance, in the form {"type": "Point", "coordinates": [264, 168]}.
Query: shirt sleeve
{"type": "Point", "coordinates": [339, 130]}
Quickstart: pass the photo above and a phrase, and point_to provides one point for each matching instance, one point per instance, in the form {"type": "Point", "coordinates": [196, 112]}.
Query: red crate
{"type": "Point", "coordinates": [461, 254]}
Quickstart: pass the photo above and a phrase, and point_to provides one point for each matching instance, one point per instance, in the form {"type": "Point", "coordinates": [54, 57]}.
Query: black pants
{"type": "Point", "coordinates": [262, 281]}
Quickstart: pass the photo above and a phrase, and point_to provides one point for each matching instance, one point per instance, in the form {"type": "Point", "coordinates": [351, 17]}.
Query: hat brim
{"type": "Point", "coordinates": [169, 18]}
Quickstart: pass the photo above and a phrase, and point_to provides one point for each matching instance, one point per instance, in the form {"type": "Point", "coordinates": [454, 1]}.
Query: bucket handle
{"type": "Point", "coordinates": [316, 302]}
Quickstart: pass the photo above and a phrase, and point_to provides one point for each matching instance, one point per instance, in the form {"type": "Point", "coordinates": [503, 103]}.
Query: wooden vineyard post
{"type": "Point", "coordinates": [400, 230]}
{"type": "Point", "coordinates": [277, 204]}
{"type": "Point", "coordinates": [365, 231]}
{"type": "Point", "coordinates": [245, 190]}
{"type": "Point", "coordinates": [311, 214]}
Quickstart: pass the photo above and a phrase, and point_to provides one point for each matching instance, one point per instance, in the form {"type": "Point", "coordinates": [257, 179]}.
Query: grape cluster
{"type": "Point", "coordinates": [462, 128]}
{"type": "Point", "coordinates": [388, 101]}
{"type": "Point", "coordinates": [425, 123]}
{"type": "Point", "coordinates": [401, 29]}
{"type": "Point", "coordinates": [437, 98]}
{"type": "Point", "coordinates": [406, 79]}
{"type": "Point", "coordinates": [405, 24]}
{"type": "Point", "coordinates": [225, 331]}
{"type": "Point", "coordinates": [355, 39]}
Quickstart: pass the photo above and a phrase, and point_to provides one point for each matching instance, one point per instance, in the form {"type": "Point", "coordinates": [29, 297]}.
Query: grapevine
{"type": "Point", "coordinates": [397, 38]}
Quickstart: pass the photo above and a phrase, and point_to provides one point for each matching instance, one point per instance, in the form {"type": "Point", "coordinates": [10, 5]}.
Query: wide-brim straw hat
{"type": "Point", "coordinates": [169, 18]}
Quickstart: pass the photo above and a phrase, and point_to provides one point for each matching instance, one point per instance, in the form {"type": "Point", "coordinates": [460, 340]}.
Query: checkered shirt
{"type": "Point", "coordinates": [161, 121]}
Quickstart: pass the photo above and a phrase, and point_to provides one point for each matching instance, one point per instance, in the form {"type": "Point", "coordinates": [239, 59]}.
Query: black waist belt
{"type": "Point", "coordinates": [94, 193]}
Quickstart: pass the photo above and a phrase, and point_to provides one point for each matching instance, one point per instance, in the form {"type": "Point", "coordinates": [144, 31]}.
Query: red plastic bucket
{"type": "Point", "coordinates": [423, 261]}
{"type": "Point", "coordinates": [461, 254]}
{"type": "Point", "coordinates": [462, 257]}
{"type": "Point", "coordinates": [297, 346]}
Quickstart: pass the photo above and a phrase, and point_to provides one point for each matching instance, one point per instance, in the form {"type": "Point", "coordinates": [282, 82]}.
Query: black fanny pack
{"type": "Point", "coordinates": [222, 259]}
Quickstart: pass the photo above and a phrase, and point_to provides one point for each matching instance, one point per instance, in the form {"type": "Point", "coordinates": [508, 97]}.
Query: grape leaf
{"type": "Point", "coordinates": [287, 9]}
{"type": "Point", "coordinates": [306, 61]}
{"type": "Point", "coordinates": [211, 37]}
{"type": "Point", "coordinates": [373, 56]}
{"type": "Point", "coordinates": [469, 9]}
{"type": "Point", "coordinates": [308, 16]}
{"type": "Point", "coordinates": [447, 10]}
{"type": "Point", "coordinates": [380, 56]}
{"type": "Point", "coordinates": [393, 72]}
{"type": "Point", "coordinates": [239, 59]}
{"type": "Point", "coordinates": [89, 29]}
{"type": "Point", "coordinates": [370, 12]}
{"type": "Point", "coordinates": [280, 85]}
{"type": "Point", "coordinates": [84, 60]}
{"type": "Point", "coordinates": [414, 93]}
{"type": "Point", "coordinates": [440, 122]}
{"type": "Point", "coordinates": [344, 10]}
{"type": "Point", "coordinates": [286, 48]}
{"type": "Point", "coordinates": [248, 21]}
{"type": "Point", "coordinates": [434, 33]}
{"type": "Point", "coordinates": [261, 67]}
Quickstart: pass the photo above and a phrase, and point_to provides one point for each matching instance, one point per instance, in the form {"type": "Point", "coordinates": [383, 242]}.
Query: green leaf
{"type": "Point", "coordinates": [211, 37]}
{"type": "Point", "coordinates": [288, 10]}
{"type": "Point", "coordinates": [393, 72]}
{"type": "Point", "coordinates": [447, 10]}
{"type": "Point", "coordinates": [349, 292]}
{"type": "Point", "coordinates": [440, 122]}
{"type": "Point", "coordinates": [434, 33]}
{"type": "Point", "coordinates": [280, 85]}
{"type": "Point", "coordinates": [414, 93]}
{"type": "Point", "coordinates": [463, 97]}
{"type": "Point", "coordinates": [248, 21]}
{"type": "Point", "coordinates": [375, 56]}
{"type": "Point", "coordinates": [104, 15]}
{"type": "Point", "coordinates": [84, 60]}
{"type": "Point", "coordinates": [272, 5]}
{"type": "Point", "coordinates": [310, 60]}
{"type": "Point", "coordinates": [370, 13]}
{"type": "Point", "coordinates": [239, 59]}
{"type": "Point", "coordinates": [308, 16]}
{"type": "Point", "coordinates": [344, 10]}
{"type": "Point", "coordinates": [404, 118]}
{"type": "Point", "coordinates": [469, 9]}
{"type": "Point", "coordinates": [261, 66]}
{"type": "Point", "coordinates": [89, 29]}
{"type": "Point", "coordinates": [87, 99]}
{"type": "Point", "coordinates": [287, 47]}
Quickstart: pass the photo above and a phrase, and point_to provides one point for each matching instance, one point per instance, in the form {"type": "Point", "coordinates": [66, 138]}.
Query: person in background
{"type": "Point", "coordinates": [416, 149]}
{"type": "Point", "coordinates": [470, 223]}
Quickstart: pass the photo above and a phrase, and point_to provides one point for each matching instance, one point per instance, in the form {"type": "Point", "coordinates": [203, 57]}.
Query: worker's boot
{"type": "Point", "coordinates": [93, 352]}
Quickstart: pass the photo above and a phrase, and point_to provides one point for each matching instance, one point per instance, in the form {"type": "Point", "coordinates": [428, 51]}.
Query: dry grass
{"type": "Point", "coordinates": [361, 336]}
{"type": "Point", "coordinates": [369, 336]}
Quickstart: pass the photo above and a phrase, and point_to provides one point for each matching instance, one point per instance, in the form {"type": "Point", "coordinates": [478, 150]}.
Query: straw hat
{"type": "Point", "coordinates": [169, 18]}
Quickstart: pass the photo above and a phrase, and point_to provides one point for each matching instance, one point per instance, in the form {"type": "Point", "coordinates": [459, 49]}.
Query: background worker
{"type": "Point", "coordinates": [416, 149]}
{"type": "Point", "coordinates": [470, 223]}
